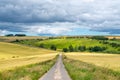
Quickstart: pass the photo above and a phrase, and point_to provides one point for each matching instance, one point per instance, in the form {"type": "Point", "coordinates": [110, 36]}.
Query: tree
{"type": "Point", "coordinates": [8, 35]}
{"type": "Point", "coordinates": [97, 49]}
{"type": "Point", "coordinates": [82, 48]}
{"type": "Point", "coordinates": [53, 47]}
{"type": "Point", "coordinates": [41, 45]}
{"type": "Point", "coordinates": [99, 38]}
{"type": "Point", "coordinates": [17, 40]}
{"type": "Point", "coordinates": [71, 49]}
{"type": "Point", "coordinates": [65, 50]}
{"type": "Point", "coordinates": [20, 35]}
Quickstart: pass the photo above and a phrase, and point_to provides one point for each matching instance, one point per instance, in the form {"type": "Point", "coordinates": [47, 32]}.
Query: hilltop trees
{"type": "Point", "coordinates": [53, 47]}
{"type": "Point", "coordinates": [71, 49]}
{"type": "Point", "coordinates": [20, 35]}
{"type": "Point", "coordinates": [97, 49]}
{"type": "Point", "coordinates": [82, 48]}
{"type": "Point", "coordinates": [41, 45]}
{"type": "Point", "coordinates": [65, 50]}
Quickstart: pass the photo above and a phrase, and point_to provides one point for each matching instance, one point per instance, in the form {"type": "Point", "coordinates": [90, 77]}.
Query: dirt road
{"type": "Point", "coordinates": [57, 72]}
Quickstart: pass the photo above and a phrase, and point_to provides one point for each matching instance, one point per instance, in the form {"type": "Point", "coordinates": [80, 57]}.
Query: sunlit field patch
{"type": "Point", "coordinates": [13, 55]}
{"type": "Point", "coordinates": [79, 70]}
{"type": "Point", "coordinates": [110, 61]}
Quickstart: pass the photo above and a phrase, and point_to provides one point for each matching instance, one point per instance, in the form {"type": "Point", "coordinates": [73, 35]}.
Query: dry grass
{"type": "Point", "coordinates": [111, 37]}
{"type": "Point", "coordinates": [13, 63]}
{"type": "Point", "coordinates": [14, 55]}
{"type": "Point", "coordinates": [8, 50]}
{"type": "Point", "coordinates": [110, 61]}
{"type": "Point", "coordinates": [29, 72]}
{"type": "Point", "coordinates": [79, 70]}
{"type": "Point", "coordinates": [8, 39]}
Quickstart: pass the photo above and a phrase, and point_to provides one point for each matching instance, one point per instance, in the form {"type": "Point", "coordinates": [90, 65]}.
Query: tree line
{"type": "Point", "coordinates": [9, 35]}
{"type": "Point", "coordinates": [84, 48]}
{"type": "Point", "coordinates": [76, 48]}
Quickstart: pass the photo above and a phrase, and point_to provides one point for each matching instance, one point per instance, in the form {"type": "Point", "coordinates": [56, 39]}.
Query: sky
{"type": "Point", "coordinates": [60, 17]}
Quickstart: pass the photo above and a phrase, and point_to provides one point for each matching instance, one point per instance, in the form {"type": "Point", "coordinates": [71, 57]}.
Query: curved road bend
{"type": "Point", "coordinates": [57, 72]}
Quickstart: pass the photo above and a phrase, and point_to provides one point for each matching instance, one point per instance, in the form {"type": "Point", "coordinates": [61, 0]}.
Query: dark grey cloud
{"type": "Point", "coordinates": [29, 15]}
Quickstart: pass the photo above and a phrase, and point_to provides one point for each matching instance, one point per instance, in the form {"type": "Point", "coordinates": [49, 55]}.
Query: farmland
{"type": "Point", "coordinates": [87, 66]}
{"type": "Point", "coordinates": [89, 45]}
{"type": "Point", "coordinates": [85, 59]}
{"type": "Point", "coordinates": [14, 55]}
{"type": "Point", "coordinates": [9, 39]}
{"type": "Point", "coordinates": [110, 61]}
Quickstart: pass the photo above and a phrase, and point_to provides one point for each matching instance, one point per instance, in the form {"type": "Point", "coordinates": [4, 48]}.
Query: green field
{"type": "Point", "coordinates": [109, 45]}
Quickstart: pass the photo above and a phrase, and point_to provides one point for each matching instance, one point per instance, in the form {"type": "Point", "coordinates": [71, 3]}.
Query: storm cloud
{"type": "Point", "coordinates": [59, 16]}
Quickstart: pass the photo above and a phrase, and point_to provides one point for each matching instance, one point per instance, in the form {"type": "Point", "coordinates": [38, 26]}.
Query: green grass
{"type": "Point", "coordinates": [30, 72]}
{"type": "Point", "coordinates": [61, 43]}
{"type": "Point", "coordinates": [65, 43]}
{"type": "Point", "coordinates": [75, 42]}
{"type": "Point", "coordinates": [79, 70]}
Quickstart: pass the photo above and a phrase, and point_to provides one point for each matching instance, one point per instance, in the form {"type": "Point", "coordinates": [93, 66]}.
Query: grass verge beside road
{"type": "Point", "coordinates": [29, 72]}
{"type": "Point", "coordinates": [79, 70]}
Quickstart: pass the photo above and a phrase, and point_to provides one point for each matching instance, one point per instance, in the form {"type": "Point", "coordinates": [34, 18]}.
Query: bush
{"type": "Point", "coordinates": [71, 49]}
{"type": "Point", "coordinates": [82, 48]}
{"type": "Point", "coordinates": [41, 45]}
{"type": "Point", "coordinates": [17, 40]}
{"type": "Point", "coordinates": [97, 49]}
{"type": "Point", "coordinates": [65, 50]}
{"type": "Point", "coordinates": [99, 38]}
{"type": "Point", "coordinates": [53, 47]}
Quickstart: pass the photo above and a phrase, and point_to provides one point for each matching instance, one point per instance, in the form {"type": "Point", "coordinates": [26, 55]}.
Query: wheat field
{"type": "Point", "coordinates": [110, 61]}
{"type": "Point", "coordinates": [14, 55]}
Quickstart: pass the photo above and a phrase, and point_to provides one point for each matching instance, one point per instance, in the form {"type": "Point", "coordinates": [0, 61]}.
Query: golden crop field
{"type": "Point", "coordinates": [110, 61]}
{"type": "Point", "coordinates": [8, 39]}
{"type": "Point", "coordinates": [14, 55]}
{"type": "Point", "coordinates": [111, 37]}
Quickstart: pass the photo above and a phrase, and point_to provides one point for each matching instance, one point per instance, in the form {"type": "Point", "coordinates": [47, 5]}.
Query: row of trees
{"type": "Point", "coordinates": [90, 37]}
{"type": "Point", "coordinates": [8, 35]}
{"type": "Point", "coordinates": [83, 48]}
{"type": "Point", "coordinates": [77, 48]}
{"type": "Point", "coordinates": [52, 47]}
{"type": "Point", "coordinates": [113, 44]}
{"type": "Point", "coordinates": [99, 38]}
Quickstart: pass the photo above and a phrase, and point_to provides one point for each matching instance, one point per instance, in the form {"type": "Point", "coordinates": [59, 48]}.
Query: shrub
{"type": "Point", "coordinates": [71, 49]}
{"type": "Point", "coordinates": [53, 47]}
{"type": "Point", "coordinates": [99, 38]}
{"type": "Point", "coordinates": [17, 40]}
{"type": "Point", "coordinates": [82, 48]}
{"type": "Point", "coordinates": [97, 49]}
{"type": "Point", "coordinates": [65, 50]}
{"type": "Point", "coordinates": [41, 45]}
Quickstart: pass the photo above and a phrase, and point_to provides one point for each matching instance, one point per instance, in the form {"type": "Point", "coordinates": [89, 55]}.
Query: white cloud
{"type": "Point", "coordinates": [3, 32]}
{"type": "Point", "coordinates": [52, 28]}
{"type": "Point", "coordinates": [98, 15]}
